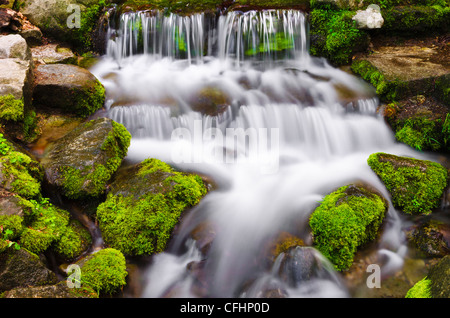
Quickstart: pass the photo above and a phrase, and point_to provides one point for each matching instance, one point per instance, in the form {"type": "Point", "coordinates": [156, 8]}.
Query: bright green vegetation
{"type": "Point", "coordinates": [11, 108]}
{"type": "Point", "coordinates": [88, 100]}
{"type": "Point", "coordinates": [417, 18]}
{"type": "Point", "coordinates": [89, 17]}
{"type": "Point", "coordinates": [44, 226]}
{"type": "Point", "coordinates": [345, 220]}
{"type": "Point", "coordinates": [104, 271]}
{"type": "Point", "coordinates": [420, 290]}
{"type": "Point", "coordinates": [334, 35]}
{"type": "Point", "coordinates": [180, 6]}
{"type": "Point", "coordinates": [19, 173]}
{"type": "Point", "coordinates": [138, 218]}
{"type": "Point", "coordinates": [388, 90]}
{"type": "Point", "coordinates": [416, 186]}
{"type": "Point", "coordinates": [424, 133]}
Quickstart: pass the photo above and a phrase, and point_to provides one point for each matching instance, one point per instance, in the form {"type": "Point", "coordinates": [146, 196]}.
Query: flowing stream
{"type": "Point", "coordinates": [238, 98]}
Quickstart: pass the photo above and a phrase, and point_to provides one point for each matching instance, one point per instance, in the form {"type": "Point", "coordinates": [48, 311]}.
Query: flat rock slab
{"type": "Point", "coordinates": [407, 63]}
{"type": "Point", "coordinates": [407, 69]}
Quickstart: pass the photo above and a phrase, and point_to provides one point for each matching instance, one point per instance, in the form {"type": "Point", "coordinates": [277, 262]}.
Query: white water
{"type": "Point", "coordinates": [315, 143]}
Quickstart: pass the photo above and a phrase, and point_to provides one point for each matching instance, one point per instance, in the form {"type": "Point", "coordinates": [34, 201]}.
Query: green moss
{"type": "Point", "coordinates": [73, 242]}
{"type": "Point", "coordinates": [420, 290]}
{"type": "Point", "coordinates": [11, 226]}
{"type": "Point", "coordinates": [335, 36]}
{"type": "Point", "coordinates": [104, 271]}
{"type": "Point", "coordinates": [48, 227]}
{"type": "Point", "coordinates": [88, 100]}
{"type": "Point", "coordinates": [416, 186]}
{"type": "Point", "coordinates": [345, 220]}
{"type": "Point", "coordinates": [142, 224]}
{"type": "Point", "coordinates": [20, 174]}
{"type": "Point", "coordinates": [388, 90]}
{"type": "Point", "coordinates": [415, 18]}
{"type": "Point", "coordinates": [10, 108]}
{"type": "Point", "coordinates": [93, 179]}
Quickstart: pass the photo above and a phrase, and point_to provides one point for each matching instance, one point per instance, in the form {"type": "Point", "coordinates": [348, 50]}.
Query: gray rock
{"type": "Point", "coordinates": [53, 54]}
{"type": "Point", "coordinates": [14, 46]}
{"type": "Point", "coordinates": [16, 78]}
{"type": "Point", "coordinates": [67, 88]}
{"type": "Point", "coordinates": [20, 268]}
{"type": "Point", "coordinates": [60, 290]}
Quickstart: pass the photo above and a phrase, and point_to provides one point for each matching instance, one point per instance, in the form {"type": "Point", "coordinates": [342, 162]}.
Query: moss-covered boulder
{"type": "Point", "coordinates": [345, 220]}
{"type": "Point", "coordinates": [18, 172]}
{"type": "Point", "coordinates": [68, 89]}
{"type": "Point", "coordinates": [20, 268]}
{"type": "Point", "coordinates": [103, 271]}
{"type": "Point", "coordinates": [57, 18]}
{"type": "Point", "coordinates": [144, 204]}
{"type": "Point", "coordinates": [81, 163]}
{"type": "Point", "coordinates": [75, 240]}
{"type": "Point", "coordinates": [416, 186]}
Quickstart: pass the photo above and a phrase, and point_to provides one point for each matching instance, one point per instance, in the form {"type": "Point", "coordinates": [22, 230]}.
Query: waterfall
{"type": "Point", "coordinates": [238, 98]}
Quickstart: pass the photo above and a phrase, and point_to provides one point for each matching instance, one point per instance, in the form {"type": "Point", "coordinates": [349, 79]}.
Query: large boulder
{"type": "Point", "coordinates": [68, 89]}
{"type": "Point", "coordinates": [57, 18]}
{"type": "Point", "coordinates": [416, 186]}
{"type": "Point", "coordinates": [81, 163]}
{"type": "Point", "coordinates": [20, 268]}
{"type": "Point", "coordinates": [346, 219]}
{"type": "Point", "coordinates": [144, 204]}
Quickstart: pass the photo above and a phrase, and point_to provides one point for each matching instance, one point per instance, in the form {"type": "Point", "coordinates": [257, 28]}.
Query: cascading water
{"type": "Point", "coordinates": [289, 130]}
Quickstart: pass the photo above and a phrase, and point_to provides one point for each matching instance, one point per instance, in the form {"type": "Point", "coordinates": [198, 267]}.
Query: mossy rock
{"type": "Point", "coordinates": [416, 186]}
{"type": "Point", "coordinates": [73, 242]}
{"type": "Point", "coordinates": [67, 89]}
{"type": "Point", "coordinates": [21, 268]}
{"type": "Point", "coordinates": [421, 289]}
{"type": "Point", "coordinates": [18, 172]}
{"type": "Point", "coordinates": [144, 205]}
{"type": "Point", "coordinates": [81, 172]}
{"type": "Point", "coordinates": [104, 271]}
{"type": "Point", "coordinates": [344, 221]}
{"type": "Point", "coordinates": [420, 122]}
{"type": "Point", "coordinates": [430, 238]}
{"type": "Point", "coordinates": [334, 35]}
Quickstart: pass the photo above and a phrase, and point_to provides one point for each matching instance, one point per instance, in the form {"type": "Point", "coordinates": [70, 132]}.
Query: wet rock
{"type": "Point", "coordinates": [67, 88]}
{"type": "Point", "coordinates": [370, 18]}
{"type": "Point", "coordinates": [20, 268]}
{"type": "Point", "coordinates": [9, 20]}
{"type": "Point", "coordinates": [439, 275]}
{"type": "Point", "coordinates": [143, 205]}
{"type": "Point", "coordinates": [416, 186]}
{"type": "Point", "coordinates": [210, 101]}
{"type": "Point", "coordinates": [60, 290]}
{"type": "Point", "coordinates": [282, 244]}
{"type": "Point", "coordinates": [81, 163]}
{"type": "Point", "coordinates": [431, 238]}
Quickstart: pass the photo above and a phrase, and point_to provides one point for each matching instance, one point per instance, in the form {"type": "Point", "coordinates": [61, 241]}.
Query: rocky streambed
{"type": "Point", "coordinates": [70, 195]}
